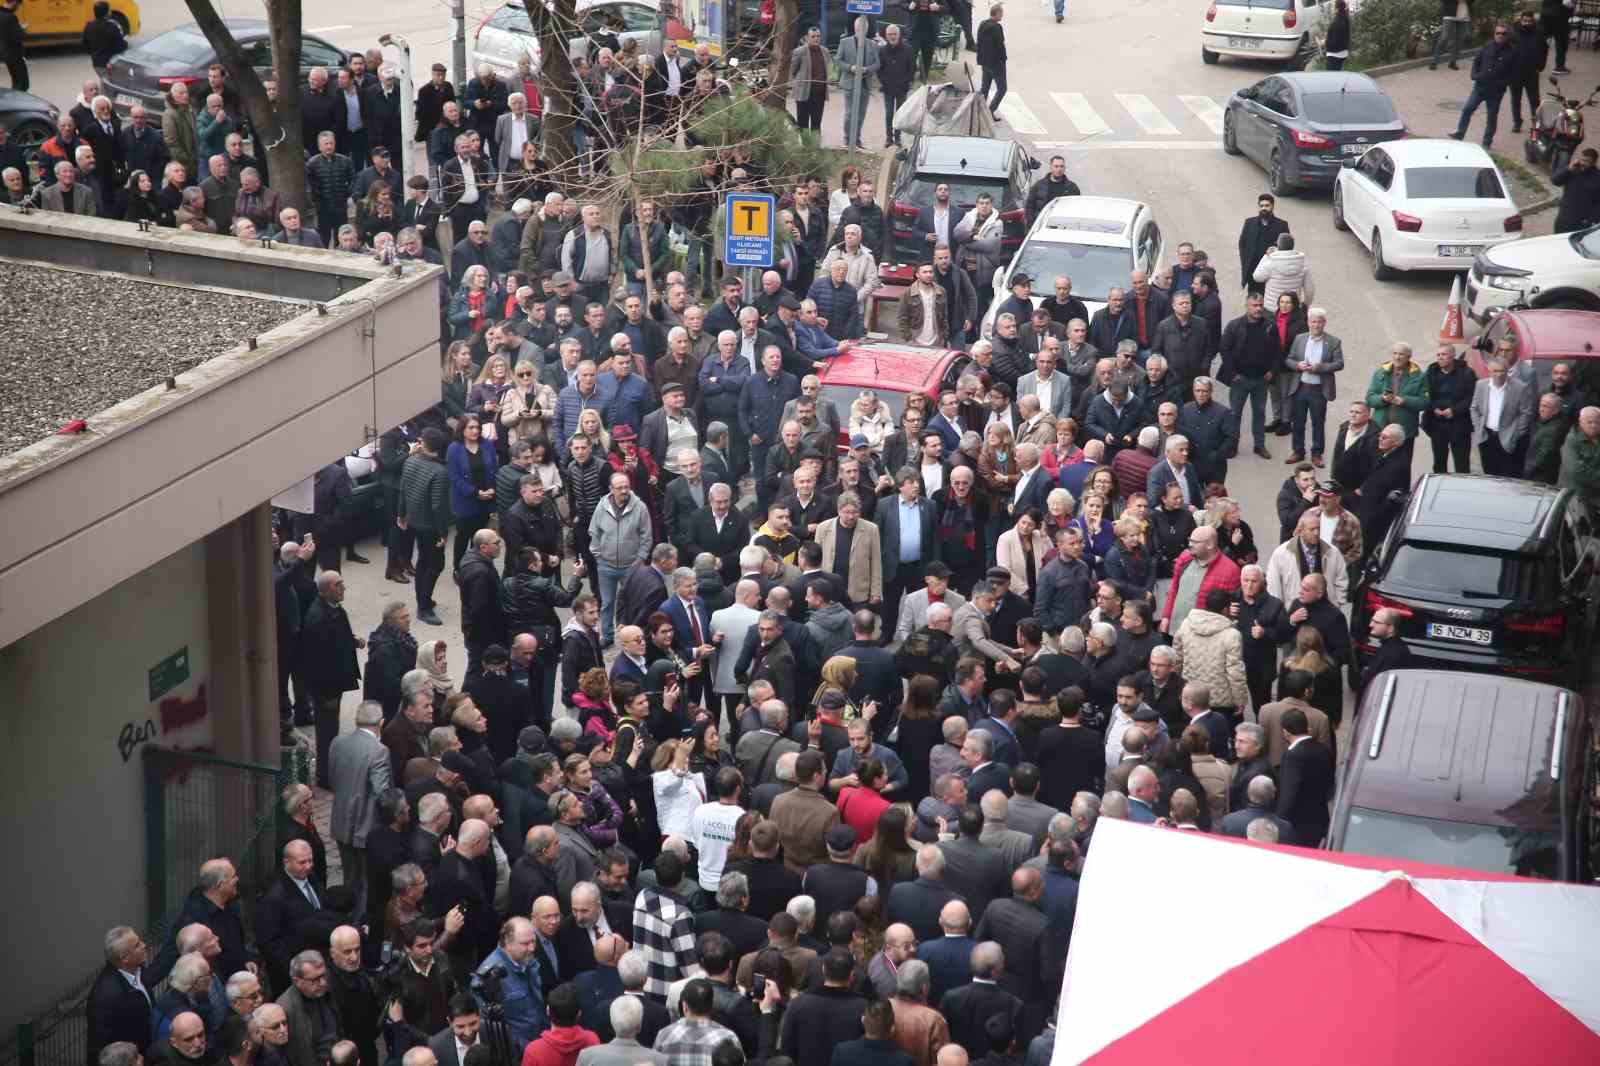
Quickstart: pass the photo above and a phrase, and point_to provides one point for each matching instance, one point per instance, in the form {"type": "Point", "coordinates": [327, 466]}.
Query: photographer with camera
{"type": "Point", "coordinates": [508, 979]}
{"type": "Point", "coordinates": [417, 989]}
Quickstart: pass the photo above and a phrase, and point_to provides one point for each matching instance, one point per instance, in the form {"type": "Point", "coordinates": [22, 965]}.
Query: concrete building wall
{"type": "Point", "coordinates": [75, 715]}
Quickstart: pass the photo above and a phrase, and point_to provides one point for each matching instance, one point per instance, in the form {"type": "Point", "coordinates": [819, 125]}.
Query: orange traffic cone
{"type": "Point", "coordinates": [1452, 329]}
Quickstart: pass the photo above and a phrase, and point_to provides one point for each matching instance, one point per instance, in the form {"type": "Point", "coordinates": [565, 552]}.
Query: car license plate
{"type": "Point", "coordinates": [1460, 249]}
{"type": "Point", "coordinates": [125, 100]}
{"type": "Point", "coordinates": [1466, 633]}
{"type": "Point", "coordinates": [1353, 149]}
{"type": "Point", "coordinates": [1244, 42]}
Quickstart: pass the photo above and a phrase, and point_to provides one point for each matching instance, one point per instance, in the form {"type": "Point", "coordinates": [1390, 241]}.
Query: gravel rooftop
{"type": "Point", "coordinates": [77, 343]}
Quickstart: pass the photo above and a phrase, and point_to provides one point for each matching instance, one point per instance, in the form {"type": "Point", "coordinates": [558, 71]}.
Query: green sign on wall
{"type": "Point", "coordinates": [169, 673]}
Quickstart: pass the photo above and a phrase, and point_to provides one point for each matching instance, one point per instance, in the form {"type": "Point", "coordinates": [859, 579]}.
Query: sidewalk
{"type": "Point", "coordinates": [1430, 102]}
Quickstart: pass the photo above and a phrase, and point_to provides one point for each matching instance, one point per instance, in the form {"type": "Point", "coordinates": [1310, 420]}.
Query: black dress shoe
{"type": "Point", "coordinates": [429, 617]}
{"type": "Point", "coordinates": [354, 558]}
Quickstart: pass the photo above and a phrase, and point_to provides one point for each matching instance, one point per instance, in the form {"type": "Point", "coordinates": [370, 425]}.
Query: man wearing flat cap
{"type": "Point", "coordinates": [669, 431]}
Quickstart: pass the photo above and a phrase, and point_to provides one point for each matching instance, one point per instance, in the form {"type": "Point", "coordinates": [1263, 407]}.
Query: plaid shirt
{"type": "Point", "coordinates": [690, 1041]}
{"type": "Point", "coordinates": [663, 928]}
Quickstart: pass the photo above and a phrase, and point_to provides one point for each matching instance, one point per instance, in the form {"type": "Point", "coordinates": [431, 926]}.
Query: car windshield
{"type": "Point", "coordinates": [845, 395]}
{"type": "Point", "coordinates": [1491, 849]}
{"type": "Point", "coordinates": [1433, 569]}
{"type": "Point", "coordinates": [1349, 109]}
{"type": "Point", "coordinates": [1587, 244]}
{"type": "Point", "coordinates": [963, 191]}
{"type": "Point", "coordinates": [177, 46]}
{"type": "Point", "coordinates": [1453, 183]}
{"type": "Point", "coordinates": [1094, 269]}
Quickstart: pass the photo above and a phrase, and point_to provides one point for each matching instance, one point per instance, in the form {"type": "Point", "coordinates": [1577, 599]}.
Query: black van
{"type": "Point", "coordinates": [1472, 771]}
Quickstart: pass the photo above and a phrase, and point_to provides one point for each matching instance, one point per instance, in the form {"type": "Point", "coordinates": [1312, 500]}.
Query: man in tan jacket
{"type": "Point", "coordinates": [863, 566]}
{"type": "Point", "coordinates": [805, 815]}
{"type": "Point", "coordinates": [1295, 688]}
{"type": "Point", "coordinates": [919, 1030]}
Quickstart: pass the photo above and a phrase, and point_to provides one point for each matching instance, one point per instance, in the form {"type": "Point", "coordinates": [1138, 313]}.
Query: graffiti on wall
{"type": "Point", "coordinates": [174, 712]}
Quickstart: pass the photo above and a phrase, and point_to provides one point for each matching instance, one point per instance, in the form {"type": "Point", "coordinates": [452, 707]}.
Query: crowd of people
{"type": "Point", "coordinates": [806, 775]}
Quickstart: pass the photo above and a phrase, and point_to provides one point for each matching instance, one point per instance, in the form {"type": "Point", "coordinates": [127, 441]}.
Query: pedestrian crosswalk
{"type": "Point", "coordinates": [1102, 121]}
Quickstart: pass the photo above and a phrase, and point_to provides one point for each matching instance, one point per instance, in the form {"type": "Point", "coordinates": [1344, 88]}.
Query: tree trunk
{"type": "Point", "coordinates": [785, 14]}
{"type": "Point", "coordinates": [276, 126]}
{"type": "Point", "coordinates": [562, 101]}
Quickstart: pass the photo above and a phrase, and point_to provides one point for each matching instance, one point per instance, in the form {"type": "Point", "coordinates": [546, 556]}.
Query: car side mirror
{"type": "Point", "coordinates": [1033, 161]}
{"type": "Point", "coordinates": [1247, 93]}
{"type": "Point", "coordinates": [901, 155]}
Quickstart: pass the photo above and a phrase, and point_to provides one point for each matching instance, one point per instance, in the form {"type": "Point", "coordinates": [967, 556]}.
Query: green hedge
{"type": "Point", "coordinates": [1387, 31]}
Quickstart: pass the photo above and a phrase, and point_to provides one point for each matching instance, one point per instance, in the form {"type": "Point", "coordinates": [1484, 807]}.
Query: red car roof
{"type": "Point", "coordinates": [1553, 333]}
{"type": "Point", "coordinates": [887, 366]}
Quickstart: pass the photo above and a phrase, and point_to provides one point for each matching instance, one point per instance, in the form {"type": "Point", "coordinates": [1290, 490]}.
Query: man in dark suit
{"type": "Point", "coordinates": [328, 664]}
{"type": "Point", "coordinates": [744, 931]}
{"type": "Point", "coordinates": [921, 903]}
{"type": "Point", "coordinates": [876, 676]}
{"type": "Point", "coordinates": [1391, 474]}
{"type": "Point", "coordinates": [119, 1003]}
{"type": "Point", "coordinates": [422, 212]}
{"type": "Point", "coordinates": [904, 555]}
{"type": "Point", "coordinates": [968, 1008]}
{"type": "Point", "coordinates": [691, 629]}
{"type": "Point", "coordinates": [1355, 450]}
{"type": "Point", "coordinates": [976, 873]}
{"type": "Point", "coordinates": [773, 659]}
{"type": "Point", "coordinates": [714, 455]}
{"type": "Point", "coordinates": [1023, 932]}
{"type": "Point", "coordinates": [293, 896]}
{"type": "Point", "coordinates": [983, 772]}
{"type": "Point", "coordinates": [1307, 779]}
{"type": "Point", "coordinates": [949, 955]}
{"type": "Point", "coordinates": [686, 494]}
{"type": "Point", "coordinates": [718, 529]}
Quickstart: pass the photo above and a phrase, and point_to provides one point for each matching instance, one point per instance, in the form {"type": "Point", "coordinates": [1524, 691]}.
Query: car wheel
{"type": "Point", "coordinates": [1230, 138]}
{"type": "Point", "coordinates": [1208, 56]}
{"type": "Point", "coordinates": [29, 136]}
{"type": "Point", "coordinates": [1276, 178]}
{"type": "Point", "coordinates": [1381, 271]}
{"type": "Point", "coordinates": [1338, 210]}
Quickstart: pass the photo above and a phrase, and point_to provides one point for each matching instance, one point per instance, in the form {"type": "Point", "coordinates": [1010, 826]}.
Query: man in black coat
{"type": "Point", "coordinates": [817, 1021]}
{"type": "Point", "coordinates": [328, 663]}
{"type": "Point", "coordinates": [731, 919]}
{"type": "Point", "coordinates": [1023, 932]}
{"type": "Point", "coordinates": [991, 49]}
{"type": "Point", "coordinates": [1313, 609]}
{"type": "Point", "coordinates": [293, 896]}
{"type": "Point", "coordinates": [459, 882]}
{"type": "Point", "coordinates": [969, 1007]}
{"type": "Point", "coordinates": [1390, 474]}
{"type": "Point", "coordinates": [718, 529]}
{"type": "Point", "coordinates": [119, 1003]}
{"type": "Point", "coordinates": [877, 1047]}
{"type": "Point", "coordinates": [1492, 71]}
{"type": "Point", "coordinates": [1263, 623]}
{"type": "Point", "coordinates": [976, 873]}
{"type": "Point", "coordinates": [1306, 780]}
{"type": "Point", "coordinates": [482, 622]}
{"type": "Point", "coordinates": [918, 903]}
{"type": "Point", "coordinates": [1580, 192]}
{"type": "Point", "coordinates": [534, 874]}
{"type": "Point", "coordinates": [1392, 654]}
{"type": "Point", "coordinates": [1052, 185]}
{"type": "Point", "coordinates": [1260, 232]}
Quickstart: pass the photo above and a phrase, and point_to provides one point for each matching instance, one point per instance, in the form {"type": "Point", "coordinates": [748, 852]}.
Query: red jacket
{"type": "Point", "coordinates": [1222, 574]}
{"type": "Point", "coordinates": [559, 1046]}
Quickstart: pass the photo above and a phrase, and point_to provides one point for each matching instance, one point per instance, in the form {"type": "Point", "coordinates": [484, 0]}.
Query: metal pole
{"type": "Point", "coordinates": [458, 41]}
{"type": "Point", "coordinates": [408, 118]}
{"type": "Point", "coordinates": [852, 120]}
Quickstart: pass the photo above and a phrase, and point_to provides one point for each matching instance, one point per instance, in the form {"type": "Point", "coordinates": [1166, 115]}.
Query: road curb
{"type": "Point", "coordinates": [1410, 64]}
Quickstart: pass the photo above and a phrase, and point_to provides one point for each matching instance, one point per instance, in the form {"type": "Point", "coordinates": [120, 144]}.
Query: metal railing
{"type": "Point", "coordinates": [197, 807]}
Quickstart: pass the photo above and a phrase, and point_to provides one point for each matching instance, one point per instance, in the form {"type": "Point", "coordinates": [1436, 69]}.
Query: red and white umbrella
{"type": "Point", "coordinates": [1288, 956]}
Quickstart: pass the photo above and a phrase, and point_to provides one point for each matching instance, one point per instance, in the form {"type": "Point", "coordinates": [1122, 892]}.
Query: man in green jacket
{"type": "Point", "coordinates": [180, 132]}
{"type": "Point", "coordinates": [1398, 391]}
{"type": "Point", "coordinates": [1580, 459]}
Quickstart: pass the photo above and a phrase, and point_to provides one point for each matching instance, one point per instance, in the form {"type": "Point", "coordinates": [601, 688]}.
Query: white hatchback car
{"type": "Point", "coordinates": [1097, 241]}
{"type": "Point", "coordinates": [1424, 204]}
{"type": "Point", "coordinates": [1261, 29]}
{"type": "Point", "coordinates": [1561, 270]}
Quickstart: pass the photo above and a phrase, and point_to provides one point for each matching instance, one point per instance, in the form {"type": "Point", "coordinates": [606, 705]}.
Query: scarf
{"type": "Point", "coordinates": [956, 524]}
{"type": "Point", "coordinates": [442, 683]}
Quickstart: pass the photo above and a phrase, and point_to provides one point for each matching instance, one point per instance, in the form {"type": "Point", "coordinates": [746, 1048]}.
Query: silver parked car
{"type": "Point", "coordinates": [508, 33]}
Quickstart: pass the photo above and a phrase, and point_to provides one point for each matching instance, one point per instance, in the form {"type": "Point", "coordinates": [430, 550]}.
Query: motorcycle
{"type": "Point", "coordinates": [1557, 128]}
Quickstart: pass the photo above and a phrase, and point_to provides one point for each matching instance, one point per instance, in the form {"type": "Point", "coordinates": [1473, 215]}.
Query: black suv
{"type": "Point", "coordinates": [969, 165]}
{"type": "Point", "coordinates": [1489, 574]}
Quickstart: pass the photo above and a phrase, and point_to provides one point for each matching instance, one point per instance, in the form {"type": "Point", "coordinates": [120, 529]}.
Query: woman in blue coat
{"type": "Point", "coordinates": [470, 461]}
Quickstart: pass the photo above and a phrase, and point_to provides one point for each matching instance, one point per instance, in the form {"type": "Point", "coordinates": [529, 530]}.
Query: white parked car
{"type": "Point", "coordinates": [1561, 270]}
{"type": "Point", "coordinates": [506, 33]}
{"type": "Point", "coordinates": [1285, 30]}
{"type": "Point", "coordinates": [1097, 241]}
{"type": "Point", "coordinates": [1424, 204]}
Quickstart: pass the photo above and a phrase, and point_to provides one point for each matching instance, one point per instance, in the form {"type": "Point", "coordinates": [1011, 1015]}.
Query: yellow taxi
{"type": "Point", "coordinates": [62, 21]}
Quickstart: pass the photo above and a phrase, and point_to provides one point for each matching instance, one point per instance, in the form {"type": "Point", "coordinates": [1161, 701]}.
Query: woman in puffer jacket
{"type": "Point", "coordinates": [1283, 270]}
